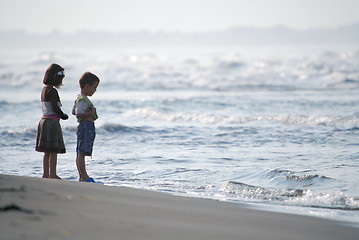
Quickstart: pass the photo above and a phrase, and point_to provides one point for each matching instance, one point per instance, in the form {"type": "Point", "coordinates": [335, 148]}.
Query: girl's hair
{"type": "Point", "coordinates": [88, 78]}
{"type": "Point", "coordinates": [49, 78]}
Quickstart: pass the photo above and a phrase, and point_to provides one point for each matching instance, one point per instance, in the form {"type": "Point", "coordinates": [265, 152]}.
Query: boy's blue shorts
{"type": "Point", "coordinates": [85, 137]}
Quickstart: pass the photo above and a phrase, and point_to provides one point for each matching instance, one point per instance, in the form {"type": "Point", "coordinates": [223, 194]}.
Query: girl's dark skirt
{"type": "Point", "coordinates": [49, 136]}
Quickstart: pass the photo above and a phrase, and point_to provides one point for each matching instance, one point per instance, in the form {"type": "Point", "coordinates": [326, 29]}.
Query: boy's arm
{"type": "Point", "coordinates": [87, 116]}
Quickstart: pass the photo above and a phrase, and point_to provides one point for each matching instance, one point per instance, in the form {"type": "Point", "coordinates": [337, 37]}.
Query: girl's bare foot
{"type": "Point", "coordinates": [55, 177]}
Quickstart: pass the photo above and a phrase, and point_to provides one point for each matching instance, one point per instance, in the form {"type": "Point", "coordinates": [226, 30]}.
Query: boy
{"type": "Point", "coordinates": [86, 115]}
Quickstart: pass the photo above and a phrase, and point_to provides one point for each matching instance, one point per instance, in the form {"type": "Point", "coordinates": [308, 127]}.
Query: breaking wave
{"type": "Point", "coordinates": [293, 197]}
{"type": "Point", "coordinates": [221, 73]}
{"type": "Point", "coordinates": [288, 119]}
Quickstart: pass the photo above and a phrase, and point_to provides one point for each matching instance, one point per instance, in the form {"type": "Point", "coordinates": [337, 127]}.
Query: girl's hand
{"type": "Point", "coordinates": [64, 116]}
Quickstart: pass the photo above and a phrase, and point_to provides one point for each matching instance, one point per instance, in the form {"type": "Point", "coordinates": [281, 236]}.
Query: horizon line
{"type": "Point", "coordinates": [280, 26]}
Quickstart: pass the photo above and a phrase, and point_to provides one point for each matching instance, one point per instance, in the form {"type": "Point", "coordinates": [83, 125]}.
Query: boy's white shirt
{"type": "Point", "coordinates": [81, 106]}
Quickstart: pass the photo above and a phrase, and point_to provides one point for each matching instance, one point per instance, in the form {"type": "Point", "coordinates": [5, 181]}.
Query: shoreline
{"type": "Point", "coordinates": [35, 208]}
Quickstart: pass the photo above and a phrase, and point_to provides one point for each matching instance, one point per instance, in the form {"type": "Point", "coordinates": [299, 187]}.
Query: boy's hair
{"type": "Point", "coordinates": [49, 78]}
{"type": "Point", "coordinates": [88, 78]}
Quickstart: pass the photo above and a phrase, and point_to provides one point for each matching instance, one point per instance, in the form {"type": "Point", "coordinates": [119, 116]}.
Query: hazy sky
{"type": "Point", "coordinates": [40, 16]}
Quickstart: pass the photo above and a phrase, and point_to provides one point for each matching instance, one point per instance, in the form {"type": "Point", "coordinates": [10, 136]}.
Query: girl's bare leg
{"type": "Point", "coordinates": [46, 165]}
{"type": "Point", "coordinates": [53, 165]}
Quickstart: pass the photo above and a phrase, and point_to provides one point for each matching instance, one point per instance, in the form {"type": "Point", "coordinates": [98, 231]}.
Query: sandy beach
{"type": "Point", "coordinates": [34, 208]}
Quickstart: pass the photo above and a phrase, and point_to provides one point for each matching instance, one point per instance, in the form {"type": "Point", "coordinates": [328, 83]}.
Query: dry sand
{"type": "Point", "coordinates": [34, 208]}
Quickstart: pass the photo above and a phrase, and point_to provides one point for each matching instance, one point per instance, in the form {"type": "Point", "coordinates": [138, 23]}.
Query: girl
{"type": "Point", "coordinates": [49, 134]}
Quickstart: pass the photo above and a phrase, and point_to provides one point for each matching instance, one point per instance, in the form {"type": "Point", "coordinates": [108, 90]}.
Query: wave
{"type": "Point", "coordinates": [24, 132]}
{"type": "Point", "coordinates": [294, 180]}
{"type": "Point", "coordinates": [292, 197]}
{"type": "Point", "coordinates": [4, 103]}
{"type": "Point", "coordinates": [287, 119]}
{"type": "Point", "coordinates": [218, 73]}
{"type": "Point", "coordinates": [348, 125]}
{"type": "Point", "coordinates": [30, 132]}
{"type": "Point", "coordinates": [329, 200]}
{"type": "Point", "coordinates": [115, 128]}
{"type": "Point", "coordinates": [18, 137]}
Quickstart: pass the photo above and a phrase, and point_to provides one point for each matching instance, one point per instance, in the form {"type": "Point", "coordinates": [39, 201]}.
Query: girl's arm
{"type": "Point", "coordinates": [55, 99]}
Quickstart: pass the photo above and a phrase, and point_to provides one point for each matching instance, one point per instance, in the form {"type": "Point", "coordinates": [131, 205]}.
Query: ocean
{"type": "Point", "coordinates": [273, 127]}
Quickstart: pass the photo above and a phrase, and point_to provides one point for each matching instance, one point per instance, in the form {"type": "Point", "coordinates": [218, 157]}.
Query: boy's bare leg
{"type": "Point", "coordinates": [53, 165]}
{"type": "Point", "coordinates": [81, 167]}
{"type": "Point", "coordinates": [46, 165]}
